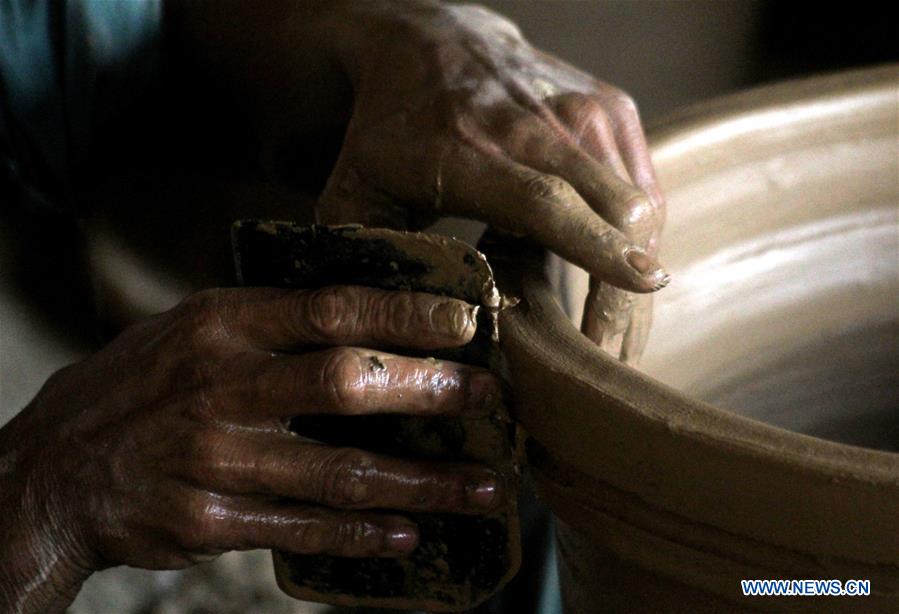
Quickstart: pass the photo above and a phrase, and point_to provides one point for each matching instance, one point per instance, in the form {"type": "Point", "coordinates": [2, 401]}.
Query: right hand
{"type": "Point", "coordinates": [169, 445]}
{"type": "Point", "coordinates": [446, 109]}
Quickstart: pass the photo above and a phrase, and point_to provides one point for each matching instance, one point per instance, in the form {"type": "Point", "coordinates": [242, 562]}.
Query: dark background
{"type": "Point", "coordinates": [671, 53]}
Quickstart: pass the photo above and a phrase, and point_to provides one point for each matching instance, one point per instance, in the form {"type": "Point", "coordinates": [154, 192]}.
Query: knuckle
{"type": "Point", "coordinates": [638, 214]}
{"type": "Point", "coordinates": [442, 493]}
{"type": "Point", "coordinates": [397, 313]}
{"type": "Point", "coordinates": [602, 127]}
{"type": "Point", "coordinates": [317, 536]}
{"type": "Point", "coordinates": [208, 460]}
{"type": "Point", "coordinates": [622, 103]}
{"type": "Point", "coordinates": [306, 538]}
{"type": "Point", "coordinates": [581, 109]}
{"type": "Point", "coordinates": [200, 319]}
{"type": "Point", "coordinates": [191, 383]}
{"type": "Point", "coordinates": [331, 312]}
{"type": "Point", "coordinates": [517, 132]}
{"type": "Point", "coordinates": [545, 191]}
{"type": "Point", "coordinates": [195, 531]}
{"type": "Point", "coordinates": [613, 305]}
{"type": "Point", "coordinates": [454, 492]}
{"type": "Point", "coordinates": [437, 399]}
{"type": "Point", "coordinates": [357, 537]}
{"type": "Point", "coordinates": [204, 301]}
{"type": "Point", "coordinates": [343, 379]}
{"type": "Point", "coordinates": [198, 377]}
{"type": "Point", "coordinates": [588, 106]}
{"type": "Point", "coordinates": [586, 116]}
{"type": "Point", "coordinates": [344, 478]}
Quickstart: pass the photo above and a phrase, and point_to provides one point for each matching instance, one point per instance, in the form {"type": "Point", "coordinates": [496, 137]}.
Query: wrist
{"type": "Point", "coordinates": [43, 561]}
{"type": "Point", "coordinates": [39, 573]}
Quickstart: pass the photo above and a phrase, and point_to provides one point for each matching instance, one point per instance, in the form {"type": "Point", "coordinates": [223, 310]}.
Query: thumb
{"type": "Point", "coordinates": [349, 198]}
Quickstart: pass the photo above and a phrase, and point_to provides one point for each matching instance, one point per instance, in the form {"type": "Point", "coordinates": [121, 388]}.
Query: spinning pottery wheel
{"type": "Point", "coordinates": [783, 244]}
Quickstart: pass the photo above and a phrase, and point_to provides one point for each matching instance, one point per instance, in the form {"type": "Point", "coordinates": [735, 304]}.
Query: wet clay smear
{"type": "Point", "coordinates": [461, 560]}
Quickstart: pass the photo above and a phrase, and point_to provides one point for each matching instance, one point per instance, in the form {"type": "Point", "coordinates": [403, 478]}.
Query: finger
{"type": "Point", "coordinates": [587, 159]}
{"type": "Point", "coordinates": [277, 319]}
{"type": "Point", "coordinates": [637, 334]}
{"type": "Point", "coordinates": [607, 314]}
{"type": "Point", "coordinates": [350, 478]}
{"type": "Point", "coordinates": [516, 198]}
{"type": "Point", "coordinates": [590, 129]}
{"type": "Point", "coordinates": [591, 320]}
{"type": "Point", "coordinates": [247, 524]}
{"type": "Point", "coordinates": [631, 140]}
{"type": "Point", "coordinates": [533, 142]}
{"type": "Point", "coordinates": [640, 322]}
{"type": "Point", "coordinates": [638, 330]}
{"type": "Point", "coordinates": [605, 186]}
{"type": "Point", "coordinates": [354, 381]}
{"type": "Point", "coordinates": [616, 321]}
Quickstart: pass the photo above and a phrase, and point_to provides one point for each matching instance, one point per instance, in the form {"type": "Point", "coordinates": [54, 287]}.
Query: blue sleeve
{"type": "Point", "coordinates": [66, 68]}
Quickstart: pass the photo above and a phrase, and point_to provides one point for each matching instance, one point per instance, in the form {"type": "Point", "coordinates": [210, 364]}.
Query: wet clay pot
{"type": "Point", "coordinates": [760, 439]}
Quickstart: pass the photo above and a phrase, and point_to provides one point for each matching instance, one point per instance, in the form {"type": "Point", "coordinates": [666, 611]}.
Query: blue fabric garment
{"type": "Point", "coordinates": [66, 70]}
{"type": "Point", "coordinates": [551, 590]}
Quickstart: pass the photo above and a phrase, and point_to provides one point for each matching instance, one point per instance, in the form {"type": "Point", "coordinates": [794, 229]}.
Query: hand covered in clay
{"type": "Point", "coordinates": [456, 114]}
{"type": "Point", "coordinates": [169, 446]}
{"type": "Point", "coordinates": [449, 111]}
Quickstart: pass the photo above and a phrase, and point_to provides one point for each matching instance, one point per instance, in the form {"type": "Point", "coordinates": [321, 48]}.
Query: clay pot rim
{"type": "Point", "coordinates": [803, 100]}
{"type": "Point", "coordinates": [806, 100]}
{"type": "Point", "coordinates": [728, 478]}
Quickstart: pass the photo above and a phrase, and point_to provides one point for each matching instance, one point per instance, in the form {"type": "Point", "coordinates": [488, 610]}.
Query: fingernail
{"type": "Point", "coordinates": [646, 266]}
{"type": "Point", "coordinates": [641, 262]}
{"type": "Point", "coordinates": [483, 391]}
{"type": "Point", "coordinates": [664, 281]}
{"type": "Point", "coordinates": [452, 318]}
{"type": "Point", "coordinates": [402, 539]}
{"type": "Point", "coordinates": [481, 494]}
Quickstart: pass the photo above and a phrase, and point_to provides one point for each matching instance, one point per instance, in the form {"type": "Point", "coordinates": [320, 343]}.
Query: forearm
{"type": "Point", "coordinates": [41, 567]}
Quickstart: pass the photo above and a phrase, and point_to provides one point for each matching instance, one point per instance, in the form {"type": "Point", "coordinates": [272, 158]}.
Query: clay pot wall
{"type": "Point", "coordinates": [783, 244]}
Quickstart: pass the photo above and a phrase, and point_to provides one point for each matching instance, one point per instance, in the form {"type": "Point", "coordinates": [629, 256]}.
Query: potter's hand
{"type": "Point", "coordinates": [168, 446]}
{"type": "Point", "coordinates": [451, 112]}
{"type": "Point", "coordinates": [456, 114]}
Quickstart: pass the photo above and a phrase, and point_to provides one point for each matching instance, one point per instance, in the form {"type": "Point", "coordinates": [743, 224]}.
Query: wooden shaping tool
{"type": "Point", "coordinates": [461, 560]}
